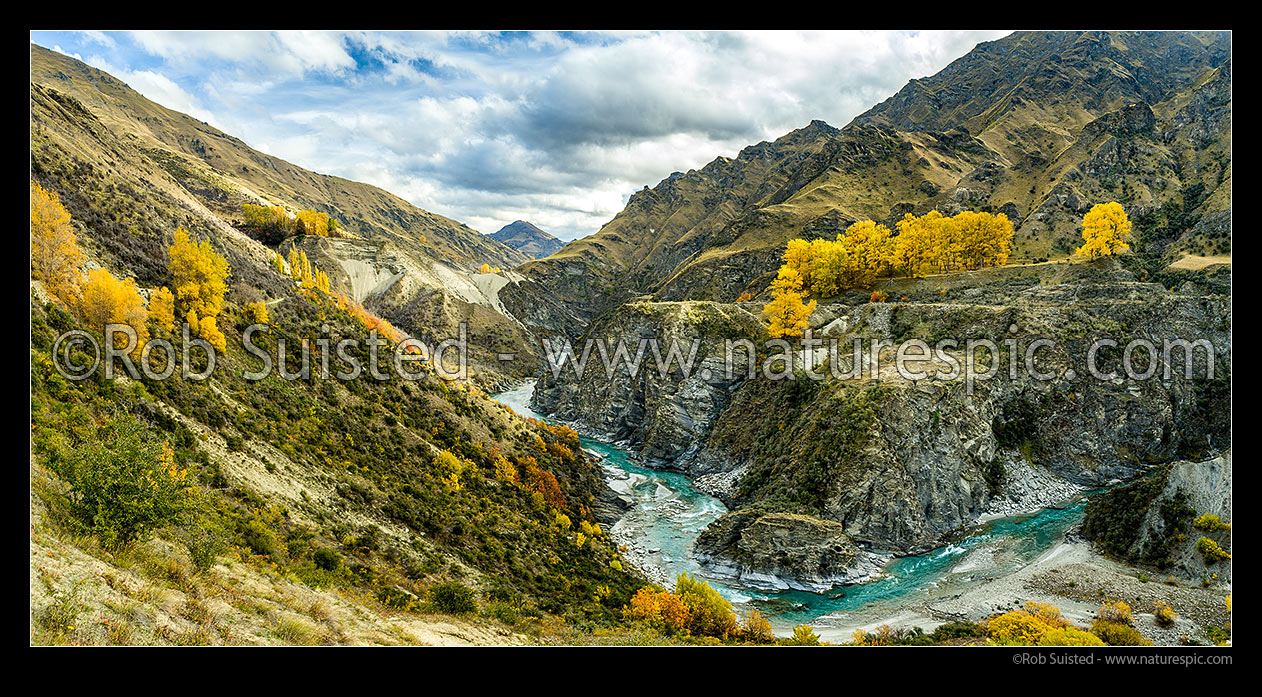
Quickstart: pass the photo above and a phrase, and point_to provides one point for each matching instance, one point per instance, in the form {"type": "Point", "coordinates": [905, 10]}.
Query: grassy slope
{"type": "Point", "coordinates": [228, 172]}
{"type": "Point", "coordinates": [97, 143]}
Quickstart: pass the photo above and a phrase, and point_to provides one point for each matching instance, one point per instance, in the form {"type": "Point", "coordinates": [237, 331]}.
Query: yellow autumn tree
{"type": "Point", "coordinates": [305, 277]}
{"type": "Point", "coordinates": [256, 312]}
{"type": "Point", "coordinates": [200, 277]}
{"type": "Point", "coordinates": [449, 468]}
{"type": "Point", "coordinates": [915, 249]}
{"type": "Point", "coordinates": [924, 244]}
{"type": "Point", "coordinates": [934, 243]}
{"type": "Point", "coordinates": [162, 309]}
{"type": "Point", "coordinates": [504, 470]}
{"type": "Point", "coordinates": [833, 268]}
{"type": "Point", "coordinates": [272, 218]}
{"type": "Point", "coordinates": [278, 263]}
{"type": "Point", "coordinates": [312, 223]}
{"type": "Point", "coordinates": [800, 257]}
{"type": "Point", "coordinates": [866, 252]}
{"type": "Point", "coordinates": [787, 312]}
{"type": "Point", "coordinates": [208, 329]}
{"type": "Point", "coordinates": [295, 265]}
{"type": "Point", "coordinates": [106, 300]}
{"type": "Point", "coordinates": [55, 253]}
{"type": "Point", "coordinates": [979, 239]}
{"type": "Point", "coordinates": [1104, 231]}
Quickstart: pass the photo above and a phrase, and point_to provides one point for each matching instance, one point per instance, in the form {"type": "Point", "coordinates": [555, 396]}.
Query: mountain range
{"type": "Point", "coordinates": [1037, 125]}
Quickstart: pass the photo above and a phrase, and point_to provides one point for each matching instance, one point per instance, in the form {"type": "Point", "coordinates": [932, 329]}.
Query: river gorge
{"type": "Point", "coordinates": [666, 513]}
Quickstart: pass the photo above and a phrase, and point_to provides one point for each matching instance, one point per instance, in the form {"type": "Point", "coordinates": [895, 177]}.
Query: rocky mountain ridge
{"type": "Point", "coordinates": [1036, 125]}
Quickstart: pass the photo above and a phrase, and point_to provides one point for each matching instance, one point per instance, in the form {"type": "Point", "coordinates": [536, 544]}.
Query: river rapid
{"type": "Point", "coordinates": [667, 514]}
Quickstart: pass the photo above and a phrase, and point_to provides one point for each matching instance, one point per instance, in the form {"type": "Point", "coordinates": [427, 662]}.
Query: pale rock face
{"type": "Point", "coordinates": [1207, 486]}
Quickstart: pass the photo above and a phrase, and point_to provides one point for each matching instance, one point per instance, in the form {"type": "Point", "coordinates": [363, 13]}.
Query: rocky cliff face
{"type": "Point", "coordinates": [898, 464]}
{"type": "Point", "coordinates": [781, 551]}
{"type": "Point", "coordinates": [661, 410]}
{"type": "Point", "coordinates": [1153, 522]}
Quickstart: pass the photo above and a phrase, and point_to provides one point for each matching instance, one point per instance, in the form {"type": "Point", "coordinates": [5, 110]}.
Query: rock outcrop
{"type": "Point", "coordinates": [662, 411]}
{"type": "Point", "coordinates": [1154, 522]}
{"type": "Point", "coordinates": [780, 551]}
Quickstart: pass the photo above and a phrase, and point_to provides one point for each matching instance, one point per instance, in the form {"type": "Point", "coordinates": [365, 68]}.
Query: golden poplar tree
{"type": "Point", "coordinates": [162, 309]}
{"type": "Point", "coordinates": [800, 256]}
{"type": "Point", "coordinates": [787, 312]}
{"type": "Point", "coordinates": [278, 263]}
{"type": "Point", "coordinates": [832, 266]}
{"type": "Point", "coordinates": [55, 253]}
{"type": "Point", "coordinates": [200, 278]}
{"type": "Point", "coordinates": [912, 246]}
{"type": "Point", "coordinates": [295, 264]}
{"type": "Point", "coordinates": [313, 223]}
{"type": "Point", "coordinates": [106, 300]}
{"type": "Point", "coordinates": [1104, 231]}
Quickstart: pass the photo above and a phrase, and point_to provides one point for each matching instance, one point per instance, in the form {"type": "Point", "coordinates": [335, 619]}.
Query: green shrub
{"type": "Point", "coordinates": [326, 559]}
{"type": "Point", "coordinates": [504, 612]}
{"type": "Point", "coordinates": [263, 541]}
{"type": "Point", "coordinates": [453, 598]}
{"type": "Point", "coordinates": [1218, 635]}
{"type": "Point", "coordinates": [957, 630]}
{"type": "Point", "coordinates": [205, 542]}
{"type": "Point", "coordinates": [398, 599]}
{"type": "Point", "coordinates": [123, 484]}
{"type": "Point", "coordinates": [1118, 634]}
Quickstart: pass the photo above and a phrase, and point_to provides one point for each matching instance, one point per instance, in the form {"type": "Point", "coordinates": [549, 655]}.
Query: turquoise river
{"type": "Point", "coordinates": [668, 513]}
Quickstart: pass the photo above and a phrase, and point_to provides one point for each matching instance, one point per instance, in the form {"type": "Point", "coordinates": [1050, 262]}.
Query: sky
{"type": "Point", "coordinates": [557, 128]}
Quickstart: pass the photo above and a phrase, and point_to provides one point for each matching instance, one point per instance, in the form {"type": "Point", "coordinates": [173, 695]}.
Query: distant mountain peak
{"type": "Point", "coordinates": [527, 238]}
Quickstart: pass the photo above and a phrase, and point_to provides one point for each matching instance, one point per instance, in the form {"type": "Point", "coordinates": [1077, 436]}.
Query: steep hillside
{"type": "Point", "coordinates": [96, 141]}
{"type": "Point", "coordinates": [295, 510]}
{"type": "Point", "coordinates": [528, 239]}
{"type": "Point", "coordinates": [226, 172]}
{"type": "Point", "coordinates": [1038, 126]}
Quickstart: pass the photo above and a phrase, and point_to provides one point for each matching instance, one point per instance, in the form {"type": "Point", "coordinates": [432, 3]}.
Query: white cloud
{"type": "Point", "coordinates": [487, 128]}
{"type": "Point", "coordinates": [156, 87]}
